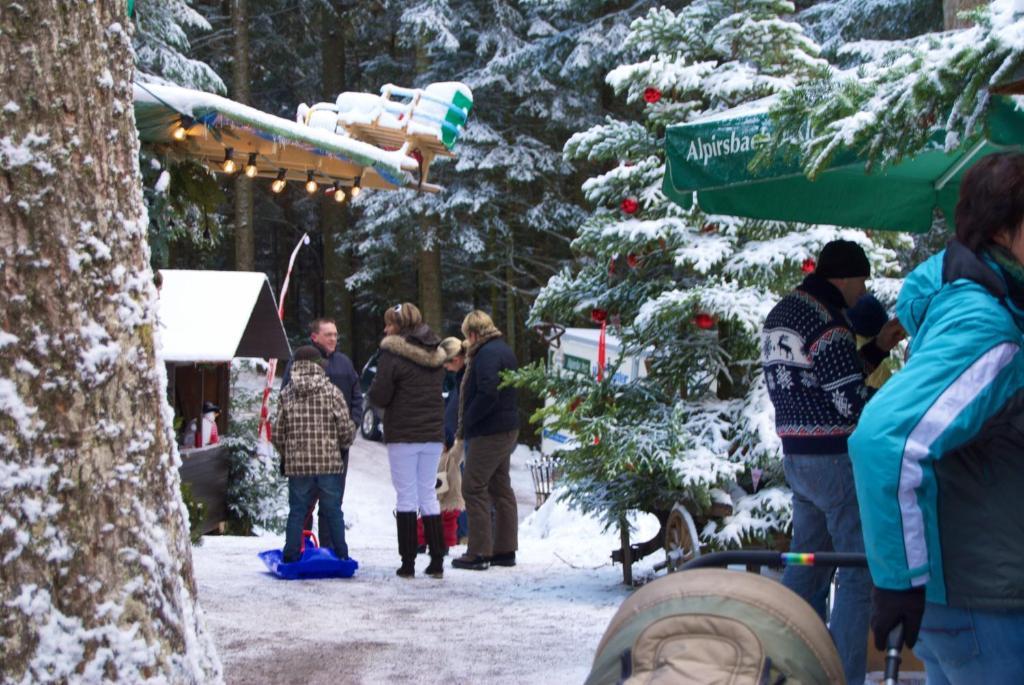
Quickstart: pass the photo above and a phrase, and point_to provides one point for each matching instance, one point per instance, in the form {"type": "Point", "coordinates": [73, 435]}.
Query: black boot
{"type": "Point", "coordinates": [433, 531]}
{"type": "Point", "coordinates": [406, 543]}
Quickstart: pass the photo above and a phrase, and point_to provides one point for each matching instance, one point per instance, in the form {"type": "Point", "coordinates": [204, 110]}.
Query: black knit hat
{"type": "Point", "coordinates": [308, 353]}
{"type": "Point", "coordinates": [843, 259]}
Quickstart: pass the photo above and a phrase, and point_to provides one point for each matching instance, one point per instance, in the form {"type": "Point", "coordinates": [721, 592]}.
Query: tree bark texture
{"type": "Point", "coordinates": [96, 578]}
{"type": "Point", "coordinates": [334, 218]}
{"type": "Point", "coordinates": [430, 287]}
{"type": "Point", "coordinates": [430, 255]}
{"type": "Point", "coordinates": [245, 240]}
{"type": "Point", "coordinates": [951, 8]}
{"type": "Point", "coordinates": [511, 325]}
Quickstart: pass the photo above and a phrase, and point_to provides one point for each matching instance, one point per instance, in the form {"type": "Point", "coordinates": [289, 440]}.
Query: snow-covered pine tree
{"type": "Point", "coordinates": [501, 221]}
{"type": "Point", "coordinates": [162, 45]}
{"type": "Point", "coordinates": [835, 23]}
{"type": "Point", "coordinates": [688, 292]}
{"type": "Point", "coordinates": [891, 105]}
{"type": "Point", "coordinates": [182, 198]}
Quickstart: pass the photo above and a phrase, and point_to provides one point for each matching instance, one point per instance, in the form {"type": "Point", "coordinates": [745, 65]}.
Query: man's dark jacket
{"type": "Point", "coordinates": [340, 372]}
{"type": "Point", "coordinates": [451, 411]}
{"type": "Point", "coordinates": [486, 409]}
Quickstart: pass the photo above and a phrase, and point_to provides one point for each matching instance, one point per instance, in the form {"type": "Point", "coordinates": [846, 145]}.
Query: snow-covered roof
{"type": "Point", "coordinates": [590, 336]}
{"type": "Point", "coordinates": [214, 316]}
{"type": "Point", "coordinates": [213, 124]}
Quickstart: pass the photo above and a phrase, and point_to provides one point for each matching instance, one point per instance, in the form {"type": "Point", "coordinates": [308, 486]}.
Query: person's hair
{"type": "Point", "coordinates": [991, 200]}
{"type": "Point", "coordinates": [315, 324]}
{"type": "Point", "coordinates": [477, 322]}
{"type": "Point", "coordinates": [453, 348]}
{"type": "Point", "coordinates": [405, 316]}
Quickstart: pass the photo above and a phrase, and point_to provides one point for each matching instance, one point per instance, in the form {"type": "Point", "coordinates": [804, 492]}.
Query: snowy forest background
{"type": "Point", "coordinates": [513, 200]}
{"type": "Point", "coordinates": [553, 211]}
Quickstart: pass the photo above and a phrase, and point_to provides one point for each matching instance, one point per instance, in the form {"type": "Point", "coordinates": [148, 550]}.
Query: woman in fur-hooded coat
{"type": "Point", "coordinates": [407, 391]}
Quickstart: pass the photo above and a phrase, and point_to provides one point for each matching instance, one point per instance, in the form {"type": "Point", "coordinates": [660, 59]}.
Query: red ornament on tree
{"type": "Point", "coordinates": [576, 402]}
{"type": "Point", "coordinates": [809, 265]}
{"type": "Point", "coordinates": [632, 260]}
{"type": "Point", "coordinates": [651, 95]}
{"type": "Point", "coordinates": [598, 315]}
{"type": "Point", "coordinates": [630, 205]}
{"type": "Point", "coordinates": [704, 321]}
{"type": "Point", "coordinates": [611, 266]}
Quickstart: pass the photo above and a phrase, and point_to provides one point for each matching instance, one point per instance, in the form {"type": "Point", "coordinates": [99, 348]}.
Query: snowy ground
{"type": "Point", "coordinates": [537, 622]}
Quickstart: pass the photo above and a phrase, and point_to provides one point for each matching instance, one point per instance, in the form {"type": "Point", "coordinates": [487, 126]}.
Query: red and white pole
{"type": "Point", "coordinates": [263, 432]}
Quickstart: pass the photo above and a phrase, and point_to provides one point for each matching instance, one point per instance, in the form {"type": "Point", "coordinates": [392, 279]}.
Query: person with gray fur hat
{"type": "Point", "coordinates": [312, 428]}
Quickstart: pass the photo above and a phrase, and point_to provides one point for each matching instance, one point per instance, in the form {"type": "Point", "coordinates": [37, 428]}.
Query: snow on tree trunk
{"type": "Point", "coordinates": [96, 579]}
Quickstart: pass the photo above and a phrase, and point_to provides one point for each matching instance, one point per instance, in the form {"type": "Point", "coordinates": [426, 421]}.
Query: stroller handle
{"type": "Point", "coordinates": [893, 648]}
{"type": "Point", "coordinates": [769, 558]}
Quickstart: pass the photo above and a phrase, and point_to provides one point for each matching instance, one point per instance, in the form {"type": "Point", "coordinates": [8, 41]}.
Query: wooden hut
{"type": "Point", "coordinates": [207, 318]}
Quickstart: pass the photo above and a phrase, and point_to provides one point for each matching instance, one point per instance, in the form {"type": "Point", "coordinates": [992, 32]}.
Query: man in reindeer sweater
{"type": "Point", "coordinates": [815, 377]}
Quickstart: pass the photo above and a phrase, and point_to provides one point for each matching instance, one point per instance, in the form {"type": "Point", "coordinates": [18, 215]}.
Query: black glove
{"type": "Point", "coordinates": [889, 608]}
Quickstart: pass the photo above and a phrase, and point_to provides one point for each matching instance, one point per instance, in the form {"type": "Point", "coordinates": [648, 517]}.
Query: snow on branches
{"type": "Point", "coordinates": [892, 105]}
{"type": "Point", "coordinates": [684, 291]}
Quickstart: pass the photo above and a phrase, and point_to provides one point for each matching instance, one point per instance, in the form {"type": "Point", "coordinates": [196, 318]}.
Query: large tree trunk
{"type": "Point", "coordinates": [511, 325]}
{"type": "Point", "coordinates": [951, 8]}
{"type": "Point", "coordinates": [96, 579]}
{"type": "Point", "coordinates": [245, 240]}
{"type": "Point", "coordinates": [334, 218]}
{"type": "Point", "coordinates": [430, 286]}
{"type": "Point", "coordinates": [430, 258]}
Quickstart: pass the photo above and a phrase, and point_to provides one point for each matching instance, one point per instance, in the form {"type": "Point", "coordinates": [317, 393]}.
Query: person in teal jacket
{"type": "Point", "coordinates": [938, 455]}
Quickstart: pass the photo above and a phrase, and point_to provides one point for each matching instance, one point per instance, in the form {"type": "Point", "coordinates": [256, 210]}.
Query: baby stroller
{"type": "Point", "coordinates": [710, 625]}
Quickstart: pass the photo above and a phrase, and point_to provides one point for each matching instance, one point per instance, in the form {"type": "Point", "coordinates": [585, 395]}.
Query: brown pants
{"type": "Point", "coordinates": [486, 482]}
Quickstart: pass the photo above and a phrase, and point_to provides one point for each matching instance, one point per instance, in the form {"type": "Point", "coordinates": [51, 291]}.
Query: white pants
{"type": "Point", "coordinates": [414, 474]}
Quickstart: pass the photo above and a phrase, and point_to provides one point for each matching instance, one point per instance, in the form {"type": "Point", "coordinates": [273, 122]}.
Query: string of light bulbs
{"type": "Point", "coordinates": [229, 166]}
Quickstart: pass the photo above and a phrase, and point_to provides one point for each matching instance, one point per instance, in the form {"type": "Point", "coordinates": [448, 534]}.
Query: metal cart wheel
{"type": "Point", "coordinates": [681, 542]}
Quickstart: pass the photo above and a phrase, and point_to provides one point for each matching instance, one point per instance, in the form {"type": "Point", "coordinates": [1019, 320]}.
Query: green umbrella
{"type": "Point", "coordinates": [710, 157]}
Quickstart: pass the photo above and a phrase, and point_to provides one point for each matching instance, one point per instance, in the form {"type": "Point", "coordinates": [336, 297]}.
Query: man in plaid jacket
{"type": "Point", "coordinates": [312, 428]}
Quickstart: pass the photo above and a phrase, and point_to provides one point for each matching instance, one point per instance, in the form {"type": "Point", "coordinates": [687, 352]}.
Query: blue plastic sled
{"type": "Point", "coordinates": [316, 562]}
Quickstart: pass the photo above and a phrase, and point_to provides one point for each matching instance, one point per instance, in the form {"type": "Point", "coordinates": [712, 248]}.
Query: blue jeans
{"type": "Point", "coordinates": [302, 490]}
{"type": "Point", "coordinates": [826, 518]}
{"type": "Point", "coordinates": [324, 529]}
{"type": "Point", "coordinates": [969, 646]}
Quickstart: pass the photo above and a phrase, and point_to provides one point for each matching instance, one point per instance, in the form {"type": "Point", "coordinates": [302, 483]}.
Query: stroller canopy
{"type": "Point", "coordinates": [715, 626]}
